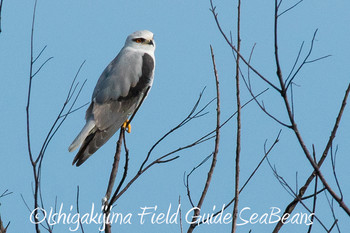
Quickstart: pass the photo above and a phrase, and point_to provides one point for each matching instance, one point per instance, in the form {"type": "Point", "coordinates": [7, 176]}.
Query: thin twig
{"type": "Point", "coordinates": [189, 117]}
{"type": "Point", "coordinates": [331, 206]}
{"type": "Point", "coordinates": [37, 57]}
{"type": "Point", "coordinates": [5, 193]}
{"type": "Point", "coordinates": [181, 230]}
{"type": "Point", "coordinates": [294, 127]}
{"type": "Point", "coordinates": [212, 9]}
{"type": "Point", "coordinates": [261, 105]}
{"type": "Point", "coordinates": [1, 2]}
{"type": "Point", "coordinates": [303, 189]}
{"type": "Point", "coordinates": [42, 65]}
{"type": "Point", "coordinates": [113, 199]}
{"type": "Point", "coordinates": [192, 115]}
{"type": "Point", "coordinates": [187, 182]}
{"type": "Point", "coordinates": [36, 162]}
{"type": "Point", "coordinates": [238, 134]}
{"type": "Point", "coordinates": [305, 61]}
{"type": "Point", "coordinates": [28, 123]}
{"type": "Point", "coordinates": [333, 160]}
{"type": "Point", "coordinates": [288, 188]}
{"type": "Point", "coordinates": [81, 225]}
{"type": "Point", "coordinates": [295, 62]}
{"type": "Point", "coordinates": [216, 149]}
{"type": "Point", "coordinates": [114, 170]}
{"type": "Point", "coordinates": [334, 224]}
{"type": "Point", "coordinates": [250, 177]}
{"type": "Point", "coordinates": [106, 200]}
{"type": "Point", "coordinates": [290, 8]}
{"type": "Point", "coordinates": [2, 228]}
{"type": "Point", "coordinates": [315, 191]}
{"type": "Point", "coordinates": [249, 60]}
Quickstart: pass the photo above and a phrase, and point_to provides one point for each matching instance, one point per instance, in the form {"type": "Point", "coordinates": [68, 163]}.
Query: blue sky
{"type": "Point", "coordinates": [95, 31]}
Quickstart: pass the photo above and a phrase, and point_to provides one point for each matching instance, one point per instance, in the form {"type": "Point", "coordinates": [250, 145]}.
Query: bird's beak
{"type": "Point", "coordinates": [150, 42]}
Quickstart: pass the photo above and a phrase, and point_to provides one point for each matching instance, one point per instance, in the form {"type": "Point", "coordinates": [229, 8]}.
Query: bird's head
{"type": "Point", "coordinates": [141, 40]}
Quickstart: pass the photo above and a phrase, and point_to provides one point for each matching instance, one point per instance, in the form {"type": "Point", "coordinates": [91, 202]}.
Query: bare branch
{"type": "Point", "coordinates": [305, 61]}
{"type": "Point", "coordinates": [74, 110]}
{"type": "Point", "coordinates": [303, 189]}
{"type": "Point", "coordinates": [263, 108]}
{"type": "Point", "coordinates": [250, 58]}
{"type": "Point", "coordinates": [290, 8]}
{"type": "Point", "coordinates": [261, 105]}
{"type": "Point", "coordinates": [318, 59]}
{"type": "Point", "coordinates": [277, 61]}
{"type": "Point", "coordinates": [37, 57]}
{"type": "Point", "coordinates": [331, 206]}
{"type": "Point", "coordinates": [42, 65]}
{"type": "Point", "coordinates": [70, 92]}
{"type": "Point", "coordinates": [187, 183]}
{"type": "Point", "coordinates": [28, 121]}
{"type": "Point", "coordinates": [81, 225]}
{"type": "Point", "coordinates": [114, 170]}
{"type": "Point", "coordinates": [238, 135]}
{"type": "Point", "coordinates": [2, 228]}
{"type": "Point", "coordinates": [181, 231]}
{"type": "Point", "coordinates": [37, 161]}
{"type": "Point", "coordinates": [334, 224]}
{"type": "Point", "coordinates": [315, 191]}
{"type": "Point", "coordinates": [295, 62]}
{"type": "Point", "coordinates": [5, 193]}
{"type": "Point", "coordinates": [113, 199]}
{"type": "Point", "coordinates": [168, 160]}
{"type": "Point", "coordinates": [333, 160]}
{"type": "Point", "coordinates": [288, 188]}
{"type": "Point", "coordinates": [212, 9]}
{"type": "Point", "coordinates": [1, 2]}
{"type": "Point", "coordinates": [291, 118]}
{"type": "Point", "coordinates": [216, 148]}
{"type": "Point", "coordinates": [250, 177]}
{"type": "Point", "coordinates": [190, 116]}
{"type": "Point", "coordinates": [60, 119]}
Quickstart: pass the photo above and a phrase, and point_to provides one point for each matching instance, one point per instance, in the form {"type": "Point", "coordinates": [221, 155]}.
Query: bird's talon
{"type": "Point", "coordinates": [127, 126]}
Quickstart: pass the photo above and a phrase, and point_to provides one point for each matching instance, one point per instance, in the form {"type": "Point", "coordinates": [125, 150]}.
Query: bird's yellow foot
{"type": "Point", "coordinates": [127, 126]}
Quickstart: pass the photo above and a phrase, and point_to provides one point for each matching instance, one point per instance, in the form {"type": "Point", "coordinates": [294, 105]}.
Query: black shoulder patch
{"type": "Point", "coordinates": [147, 68]}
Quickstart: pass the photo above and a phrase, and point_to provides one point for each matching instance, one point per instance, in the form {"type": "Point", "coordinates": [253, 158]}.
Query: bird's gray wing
{"type": "Point", "coordinates": [123, 77]}
{"type": "Point", "coordinates": [121, 74]}
{"type": "Point", "coordinates": [117, 94]}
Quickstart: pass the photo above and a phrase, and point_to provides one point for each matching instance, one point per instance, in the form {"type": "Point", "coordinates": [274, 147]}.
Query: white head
{"type": "Point", "coordinates": [141, 40]}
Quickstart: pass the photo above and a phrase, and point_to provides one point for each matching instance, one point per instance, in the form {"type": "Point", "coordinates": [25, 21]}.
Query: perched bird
{"type": "Point", "coordinates": [119, 91]}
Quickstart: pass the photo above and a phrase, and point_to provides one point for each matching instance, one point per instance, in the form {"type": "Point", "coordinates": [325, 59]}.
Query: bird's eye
{"type": "Point", "coordinates": [139, 40]}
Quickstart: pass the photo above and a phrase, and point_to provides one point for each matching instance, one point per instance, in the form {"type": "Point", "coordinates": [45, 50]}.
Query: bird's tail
{"type": "Point", "coordinates": [82, 135]}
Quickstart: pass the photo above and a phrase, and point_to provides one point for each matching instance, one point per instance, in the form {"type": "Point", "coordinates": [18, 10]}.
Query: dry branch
{"type": "Point", "coordinates": [65, 111]}
{"type": "Point", "coordinates": [238, 135]}
{"type": "Point", "coordinates": [213, 10]}
{"type": "Point", "coordinates": [2, 228]}
{"type": "Point", "coordinates": [1, 2]}
{"type": "Point", "coordinates": [216, 149]}
{"type": "Point", "coordinates": [267, 152]}
{"type": "Point", "coordinates": [316, 166]}
{"type": "Point", "coordinates": [303, 189]}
